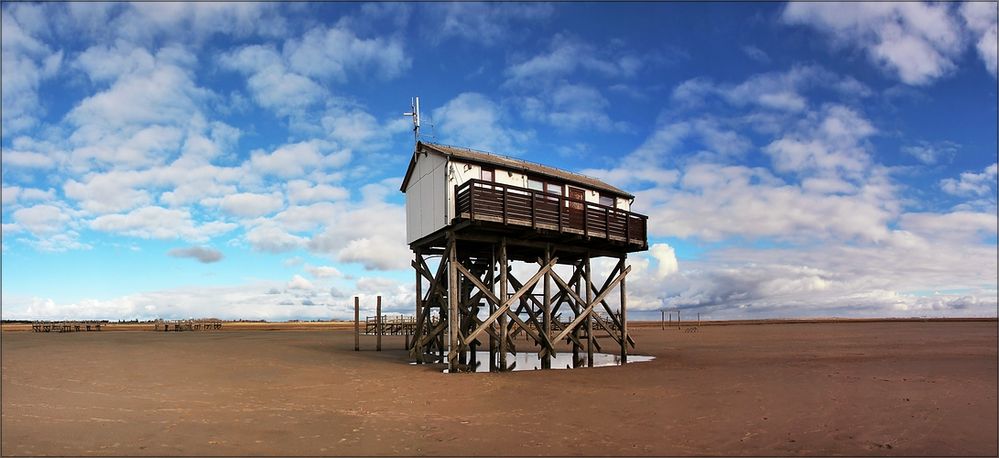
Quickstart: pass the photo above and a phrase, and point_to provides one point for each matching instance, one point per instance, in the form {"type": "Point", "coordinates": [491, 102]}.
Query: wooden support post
{"type": "Point", "coordinates": [677, 319]}
{"type": "Point", "coordinates": [624, 314]}
{"type": "Point", "coordinates": [493, 347]}
{"type": "Point", "coordinates": [452, 314]}
{"type": "Point", "coordinates": [575, 330]}
{"type": "Point", "coordinates": [417, 327]}
{"type": "Point", "coordinates": [378, 325]}
{"type": "Point", "coordinates": [663, 319]}
{"type": "Point", "coordinates": [589, 319]}
{"type": "Point", "coordinates": [546, 317]}
{"type": "Point", "coordinates": [504, 289]}
{"type": "Point", "coordinates": [357, 324]}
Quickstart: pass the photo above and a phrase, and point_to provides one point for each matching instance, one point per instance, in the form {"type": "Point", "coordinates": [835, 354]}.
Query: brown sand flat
{"type": "Point", "coordinates": [873, 388]}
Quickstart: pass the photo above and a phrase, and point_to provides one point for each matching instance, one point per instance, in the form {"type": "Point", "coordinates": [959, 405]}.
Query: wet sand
{"type": "Point", "coordinates": [852, 388]}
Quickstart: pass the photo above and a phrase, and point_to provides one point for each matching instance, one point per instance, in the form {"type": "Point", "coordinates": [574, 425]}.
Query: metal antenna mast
{"type": "Point", "coordinates": [415, 106]}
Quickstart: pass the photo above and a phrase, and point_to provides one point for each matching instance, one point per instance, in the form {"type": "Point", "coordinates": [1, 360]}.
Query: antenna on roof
{"type": "Point", "coordinates": [415, 106]}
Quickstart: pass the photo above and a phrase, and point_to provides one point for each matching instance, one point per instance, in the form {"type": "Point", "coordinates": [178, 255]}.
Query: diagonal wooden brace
{"type": "Point", "coordinates": [589, 307]}
{"type": "Point", "coordinates": [504, 306]}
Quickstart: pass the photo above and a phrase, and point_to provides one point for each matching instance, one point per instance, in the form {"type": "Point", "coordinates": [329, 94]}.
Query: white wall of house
{"type": "Point", "coordinates": [426, 208]}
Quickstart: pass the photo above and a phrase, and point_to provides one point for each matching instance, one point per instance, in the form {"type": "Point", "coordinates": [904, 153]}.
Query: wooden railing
{"type": "Point", "coordinates": [487, 201]}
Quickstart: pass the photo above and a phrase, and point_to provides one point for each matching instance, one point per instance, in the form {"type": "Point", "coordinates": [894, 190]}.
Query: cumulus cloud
{"type": "Point", "coordinates": [249, 205]}
{"type": "Point", "coordinates": [567, 55]}
{"type": "Point", "coordinates": [160, 223]}
{"type": "Point", "coordinates": [324, 271]}
{"type": "Point", "coordinates": [27, 61]}
{"type": "Point", "coordinates": [931, 153]}
{"type": "Point", "coordinates": [205, 255]}
{"type": "Point", "coordinates": [299, 282]}
{"type": "Point", "coordinates": [665, 257]}
{"type": "Point", "coordinates": [980, 18]}
{"type": "Point", "coordinates": [475, 121]}
{"type": "Point", "coordinates": [484, 23]}
{"type": "Point", "coordinates": [971, 183]}
{"type": "Point", "coordinates": [917, 42]}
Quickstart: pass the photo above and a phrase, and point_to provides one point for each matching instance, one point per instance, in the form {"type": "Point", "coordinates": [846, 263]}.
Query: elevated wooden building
{"type": "Point", "coordinates": [478, 212]}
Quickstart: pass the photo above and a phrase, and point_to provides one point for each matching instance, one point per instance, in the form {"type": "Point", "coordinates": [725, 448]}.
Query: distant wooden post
{"type": "Point", "coordinates": [677, 319]}
{"type": "Point", "coordinates": [663, 319]}
{"type": "Point", "coordinates": [378, 324]}
{"type": "Point", "coordinates": [357, 324]}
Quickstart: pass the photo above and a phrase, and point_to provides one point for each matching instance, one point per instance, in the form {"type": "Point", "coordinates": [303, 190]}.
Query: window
{"type": "Point", "coordinates": [487, 175]}
{"type": "Point", "coordinates": [553, 188]}
{"type": "Point", "coordinates": [536, 185]}
{"type": "Point", "coordinates": [607, 200]}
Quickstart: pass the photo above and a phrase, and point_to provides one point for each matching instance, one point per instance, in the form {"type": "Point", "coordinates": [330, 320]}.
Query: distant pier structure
{"type": "Point", "coordinates": [471, 214]}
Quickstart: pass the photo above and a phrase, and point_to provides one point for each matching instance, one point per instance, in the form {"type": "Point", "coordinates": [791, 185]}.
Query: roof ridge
{"type": "Point", "coordinates": [514, 159]}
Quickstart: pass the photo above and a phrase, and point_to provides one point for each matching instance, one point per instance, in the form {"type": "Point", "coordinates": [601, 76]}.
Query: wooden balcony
{"type": "Point", "coordinates": [478, 200]}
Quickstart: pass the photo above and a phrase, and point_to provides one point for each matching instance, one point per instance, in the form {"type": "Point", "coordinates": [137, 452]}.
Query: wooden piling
{"type": "Point", "coordinates": [452, 315]}
{"type": "Point", "coordinates": [357, 324]}
{"type": "Point", "coordinates": [378, 325]}
{"type": "Point", "coordinates": [589, 317]}
{"type": "Point", "coordinates": [624, 313]}
{"type": "Point", "coordinates": [504, 285]}
{"type": "Point", "coordinates": [546, 360]}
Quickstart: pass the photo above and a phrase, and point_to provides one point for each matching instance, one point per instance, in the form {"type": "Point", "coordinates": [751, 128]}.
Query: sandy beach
{"type": "Point", "coordinates": [850, 388]}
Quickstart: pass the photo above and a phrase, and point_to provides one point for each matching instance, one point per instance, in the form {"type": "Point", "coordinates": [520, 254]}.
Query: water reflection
{"type": "Point", "coordinates": [529, 361]}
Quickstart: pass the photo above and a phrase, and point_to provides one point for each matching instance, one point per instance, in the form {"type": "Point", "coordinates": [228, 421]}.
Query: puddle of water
{"type": "Point", "coordinates": [529, 361]}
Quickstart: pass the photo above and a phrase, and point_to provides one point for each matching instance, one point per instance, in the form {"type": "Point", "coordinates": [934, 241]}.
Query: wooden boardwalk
{"type": "Point", "coordinates": [66, 326]}
{"type": "Point", "coordinates": [208, 324]}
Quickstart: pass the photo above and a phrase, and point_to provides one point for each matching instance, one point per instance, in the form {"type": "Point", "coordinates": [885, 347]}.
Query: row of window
{"type": "Point", "coordinates": [546, 186]}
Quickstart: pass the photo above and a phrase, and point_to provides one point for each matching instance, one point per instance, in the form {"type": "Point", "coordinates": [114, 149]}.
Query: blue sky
{"type": "Point", "coordinates": [243, 160]}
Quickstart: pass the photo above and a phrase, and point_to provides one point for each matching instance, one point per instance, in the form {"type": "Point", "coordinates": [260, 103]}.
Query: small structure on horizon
{"type": "Point", "coordinates": [477, 212]}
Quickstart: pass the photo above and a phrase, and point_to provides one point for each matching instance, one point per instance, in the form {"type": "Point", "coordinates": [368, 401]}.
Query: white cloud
{"type": "Point", "coordinates": [980, 18]}
{"type": "Point", "coordinates": [778, 91]}
{"type": "Point", "coordinates": [304, 192]}
{"type": "Point", "coordinates": [918, 42]}
{"type": "Point", "coordinates": [971, 183]}
{"type": "Point", "coordinates": [42, 219]}
{"type": "Point", "coordinates": [299, 282]}
{"type": "Point", "coordinates": [572, 107]}
{"type": "Point", "coordinates": [484, 23]}
{"type": "Point", "coordinates": [160, 223]}
{"type": "Point", "coordinates": [205, 255]}
{"type": "Point", "coordinates": [271, 238]}
{"type": "Point", "coordinates": [27, 62]}
{"type": "Point", "coordinates": [755, 53]}
{"type": "Point", "coordinates": [473, 120]}
{"type": "Point", "coordinates": [27, 160]}
{"type": "Point", "coordinates": [568, 56]}
{"type": "Point", "coordinates": [250, 205]}
{"type": "Point", "coordinates": [108, 192]}
{"type": "Point", "coordinates": [829, 142]}
{"type": "Point", "coordinates": [324, 271]}
{"type": "Point", "coordinates": [665, 256]}
{"type": "Point", "coordinates": [270, 82]}
{"type": "Point", "coordinates": [15, 194]}
{"type": "Point", "coordinates": [371, 232]}
{"type": "Point", "coordinates": [296, 159]}
{"type": "Point", "coordinates": [334, 52]}
{"type": "Point", "coordinates": [931, 153]}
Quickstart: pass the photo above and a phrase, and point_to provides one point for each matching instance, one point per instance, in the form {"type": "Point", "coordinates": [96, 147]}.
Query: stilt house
{"type": "Point", "coordinates": [478, 212]}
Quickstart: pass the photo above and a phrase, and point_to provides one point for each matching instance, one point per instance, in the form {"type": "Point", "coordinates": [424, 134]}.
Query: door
{"type": "Point", "coordinates": [576, 203]}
